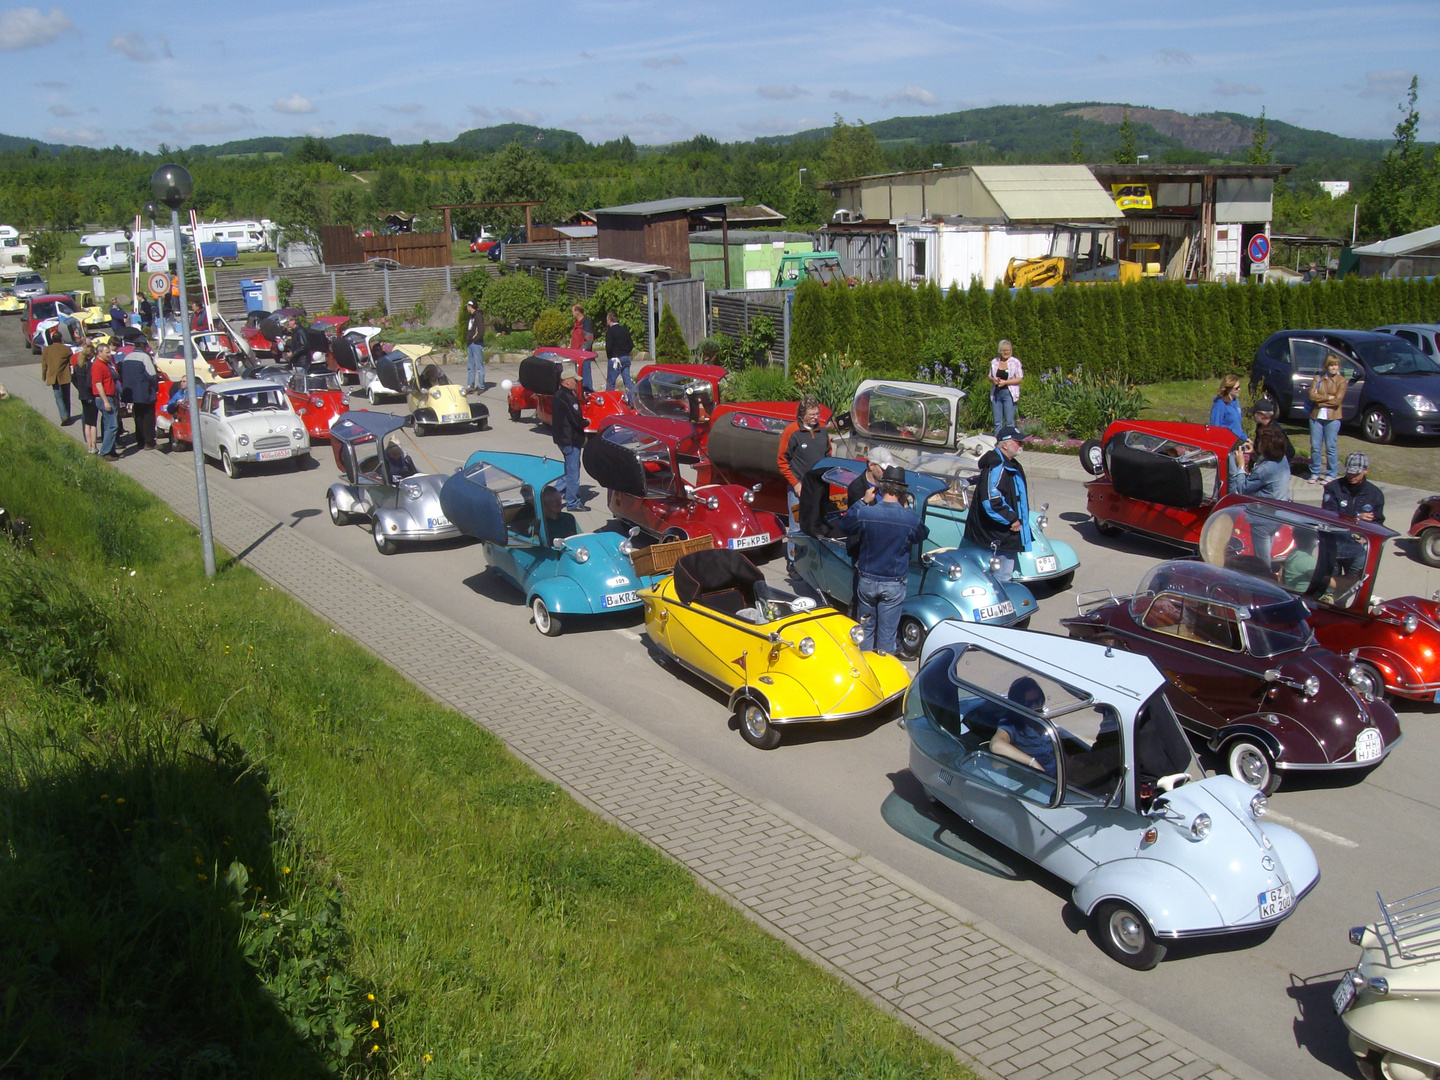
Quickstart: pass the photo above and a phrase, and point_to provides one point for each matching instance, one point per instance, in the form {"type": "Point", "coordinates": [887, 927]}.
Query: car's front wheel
{"type": "Point", "coordinates": [515, 415]}
{"type": "Point", "coordinates": [1106, 528]}
{"type": "Point", "coordinates": [909, 637]}
{"type": "Point", "coordinates": [1377, 425]}
{"type": "Point", "coordinates": [338, 516]}
{"type": "Point", "coordinates": [1370, 680]}
{"type": "Point", "coordinates": [755, 726]}
{"type": "Point", "coordinates": [1250, 763]}
{"type": "Point", "coordinates": [546, 621]}
{"type": "Point", "coordinates": [1126, 936]}
{"type": "Point", "coordinates": [1429, 545]}
{"type": "Point", "coordinates": [232, 469]}
{"type": "Point", "coordinates": [383, 543]}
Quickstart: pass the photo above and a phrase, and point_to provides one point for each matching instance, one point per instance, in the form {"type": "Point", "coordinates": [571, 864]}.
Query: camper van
{"type": "Point", "coordinates": [105, 258]}
{"type": "Point", "coordinates": [245, 235]}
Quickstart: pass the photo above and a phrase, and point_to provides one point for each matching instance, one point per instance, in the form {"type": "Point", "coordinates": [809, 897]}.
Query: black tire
{"type": "Point", "coordinates": [1126, 937]}
{"type": "Point", "coordinates": [1063, 582]}
{"type": "Point", "coordinates": [1428, 544]}
{"type": "Point", "coordinates": [482, 423]}
{"type": "Point", "coordinates": [909, 637]}
{"type": "Point", "coordinates": [419, 429]}
{"type": "Point", "coordinates": [383, 543]}
{"type": "Point", "coordinates": [755, 726]}
{"type": "Point", "coordinates": [546, 621]}
{"type": "Point", "coordinates": [1250, 763]}
{"type": "Point", "coordinates": [1092, 457]}
{"type": "Point", "coordinates": [672, 534]}
{"type": "Point", "coordinates": [338, 516]}
{"type": "Point", "coordinates": [1377, 681]}
{"type": "Point", "coordinates": [1023, 624]}
{"type": "Point", "coordinates": [1377, 426]}
{"type": "Point", "coordinates": [227, 463]}
{"type": "Point", "coordinates": [1105, 528]}
{"type": "Point", "coordinates": [515, 416]}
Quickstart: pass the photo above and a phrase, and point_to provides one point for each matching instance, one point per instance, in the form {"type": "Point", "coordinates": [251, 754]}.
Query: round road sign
{"type": "Point", "coordinates": [1259, 249]}
{"type": "Point", "coordinates": [159, 284]}
{"type": "Point", "coordinates": [155, 251]}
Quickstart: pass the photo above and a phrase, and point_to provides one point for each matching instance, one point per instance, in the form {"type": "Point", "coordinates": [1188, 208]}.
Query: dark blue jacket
{"type": "Point", "coordinates": [1001, 499]}
{"type": "Point", "coordinates": [137, 378]}
{"type": "Point", "coordinates": [885, 532]}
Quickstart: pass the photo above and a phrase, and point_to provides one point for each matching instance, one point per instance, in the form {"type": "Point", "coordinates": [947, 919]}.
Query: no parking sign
{"type": "Point", "coordinates": [1259, 252]}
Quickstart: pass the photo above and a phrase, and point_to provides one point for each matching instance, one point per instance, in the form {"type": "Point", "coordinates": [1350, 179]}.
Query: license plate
{"type": "Point", "coordinates": [750, 541]}
{"type": "Point", "coordinates": [1276, 901]}
{"type": "Point", "coordinates": [437, 523]}
{"type": "Point", "coordinates": [1368, 746]}
{"type": "Point", "coordinates": [620, 599]}
{"type": "Point", "coordinates": [272, 455]}
{"type": "Point", "coordinates": [1047, 564]}
{"type": "Point", "coordinates": [454, 417]}
{"type": "Point", "coordinates": [1344, 994]}
{"type": "Point", "coordinates": [994, 611]}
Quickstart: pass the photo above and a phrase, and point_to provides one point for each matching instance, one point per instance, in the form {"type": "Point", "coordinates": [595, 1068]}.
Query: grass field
{"type": "Point", "coordinates": [65, 277]}
{"type": "Point", "coordinates": [236, 844]}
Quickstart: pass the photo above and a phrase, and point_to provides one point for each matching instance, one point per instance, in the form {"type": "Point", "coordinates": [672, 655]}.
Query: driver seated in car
{"type": "Point", "coordinates": [559, 523]}
{"type": "Point", "coordinates": [398, 462]}
{"type": "Point", "coordinates": [1020, 738]}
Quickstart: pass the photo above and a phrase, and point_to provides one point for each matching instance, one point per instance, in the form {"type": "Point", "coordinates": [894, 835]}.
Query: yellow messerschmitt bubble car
{"type": "Point", "coordinates": [780, 658]}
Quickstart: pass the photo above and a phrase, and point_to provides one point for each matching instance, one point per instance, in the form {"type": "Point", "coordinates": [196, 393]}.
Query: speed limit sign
{"type": "Point", "coordinates": [159, 284]}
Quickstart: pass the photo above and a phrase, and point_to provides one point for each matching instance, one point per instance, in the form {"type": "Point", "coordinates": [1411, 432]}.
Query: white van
{"type": "Point", "coordinates": [106, 258]}
{"type": "Point", "coordinates": [99, 239]}
{"type": "Point", "coordinates": [245, 235]}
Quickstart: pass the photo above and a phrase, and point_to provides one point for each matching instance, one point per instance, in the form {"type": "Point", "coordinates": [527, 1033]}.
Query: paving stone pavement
{"type": "Point", "coordinates": [1003, 1008]}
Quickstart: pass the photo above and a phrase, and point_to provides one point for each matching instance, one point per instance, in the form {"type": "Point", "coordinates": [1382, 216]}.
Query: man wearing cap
{"type": "Point", "coordinates": [1263, 413]}
{"type": "Point", "coordinates": [1352, 495]}
{"type": "Point", "coordinates": [875, 463]}
{"type": "Point", "coordinates": [884, 531]}
{"type": "Point", "coordinates": [567, 425]}
{"type": "Point", "coordinates": [474, 348]}
{"type": "Point", "coordinates": [1001, 514]}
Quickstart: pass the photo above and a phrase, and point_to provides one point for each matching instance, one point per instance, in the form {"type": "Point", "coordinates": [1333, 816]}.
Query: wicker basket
{"type": "Point", "coordinates": [661, 558]}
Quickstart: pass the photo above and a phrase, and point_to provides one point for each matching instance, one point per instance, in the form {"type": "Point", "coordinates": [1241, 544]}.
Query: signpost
{"type": "Point", "coordinates": [1259, 252]}
{"type": "Point", "coordinates": [159, 285]}
{"type": "Point", "coordinates": [156, 255]}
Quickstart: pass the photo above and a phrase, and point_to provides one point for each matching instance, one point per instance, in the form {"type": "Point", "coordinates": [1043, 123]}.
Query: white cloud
{"type": "Point", "coordinates": [293, 104]}
{"type": "Point", "coordinates": [1230, 89]}
{"type": "Point", "coordinates": [664, 61]}
{"type": "Point", "coordinates": [848, 96]}
{"type": "Point", "coordinates": [912, 95]}
{"type": "Point", "coordinates": [480, 112]}
{"type": "Point", "coordinates": [1175, 57]}
{"type": "Point", "coordinates": [660, 119]}
{"type": "Point", "coordinates": [25, 28]}
{"type": "Point", "coordinates": [781, 93]}
{"type": "Point", "coordinates": [63, 110]}
{"type": "Point", "coordinates": [133, 44]}
{"type": "Point", "coordinates": [523, 81]}
{"type": "Point", "coordinates": [408, 109]}
{"type": "Point", "coordinates": [244, 110]}
{"type": "Point", "coordinates": [519, 116]}
{"type": "Point", "coordinates": [86, 136]}
{"type": "Point", "coordinates": [1386, 84]}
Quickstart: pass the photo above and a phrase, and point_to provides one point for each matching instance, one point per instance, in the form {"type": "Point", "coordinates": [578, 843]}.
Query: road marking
{"type": "Point", "coordinates": [1313, 830]}
{"type": "Point", "coordinates": [631, 634]}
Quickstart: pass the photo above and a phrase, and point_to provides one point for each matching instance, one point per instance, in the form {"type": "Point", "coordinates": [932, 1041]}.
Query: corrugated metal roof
{"type": "Point", "coordinates": [1401, 245]}
{"type": "Point", "coordinates": [667, 206]}
{"type": "Point", "coordinates": [1047, 192]}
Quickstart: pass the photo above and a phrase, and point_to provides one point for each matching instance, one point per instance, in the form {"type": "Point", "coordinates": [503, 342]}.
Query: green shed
{"type": "Point", "coordinates": [754, 256]}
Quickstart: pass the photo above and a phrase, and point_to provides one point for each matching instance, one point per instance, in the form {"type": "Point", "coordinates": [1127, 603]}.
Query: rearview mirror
{"type": "Point", "coordinates": [1272, 674]}
{"type": "Point", "coordinates": [558, 544]}
{"type": "Point", "coordinates": [634, 531]}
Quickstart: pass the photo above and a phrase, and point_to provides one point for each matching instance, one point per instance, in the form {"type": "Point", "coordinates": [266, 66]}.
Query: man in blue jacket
{"type": "Point", "coordinates": [1000, 515]}
{"type": "Point", "coordinates": [885, 532]}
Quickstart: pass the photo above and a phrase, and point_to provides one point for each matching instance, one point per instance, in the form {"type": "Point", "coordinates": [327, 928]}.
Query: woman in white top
{"type": "Point", "coordinates": [1005, 376]}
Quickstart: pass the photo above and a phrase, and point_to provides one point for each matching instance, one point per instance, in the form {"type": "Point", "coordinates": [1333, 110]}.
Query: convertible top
{"type": "Point", "coordinates": [362, 423]}
{"type": "Point", "coordinates": [613, 466]}
{"type": "Point", "coordinates": [1144, 474]}
{"type": "Point", "coordinates": [715, 570]}
{"type": "Point", "coordinates": [540, 374]}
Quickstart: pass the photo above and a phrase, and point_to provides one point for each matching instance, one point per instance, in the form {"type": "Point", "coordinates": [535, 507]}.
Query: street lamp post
{"type": "Point", "coordinates": [172, 186]}
{"type": "Point", "coordinates": [150, 212]}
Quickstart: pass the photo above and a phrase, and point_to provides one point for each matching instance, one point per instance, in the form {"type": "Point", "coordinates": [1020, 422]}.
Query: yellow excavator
{"type": "Point", "coordinates": [1080, 254]}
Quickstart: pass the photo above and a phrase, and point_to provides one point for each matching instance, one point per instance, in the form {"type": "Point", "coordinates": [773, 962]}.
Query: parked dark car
{"type": "Point", "coordinates": [1394, 387]}
{"type": "Point", "coordinates": [496, 251]}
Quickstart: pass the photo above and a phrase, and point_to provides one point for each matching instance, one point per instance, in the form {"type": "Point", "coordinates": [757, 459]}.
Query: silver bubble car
{"type": "Point", "coordinates": [1069, 754]}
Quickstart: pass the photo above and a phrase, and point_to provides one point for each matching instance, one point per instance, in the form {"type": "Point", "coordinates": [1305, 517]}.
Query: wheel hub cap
{"type": "Point", "coordinates": [1253, 768]}
{"type": "Point", "coordinates": [1127, 931]}
{"type": "Point", "coordinates": [755, 721]}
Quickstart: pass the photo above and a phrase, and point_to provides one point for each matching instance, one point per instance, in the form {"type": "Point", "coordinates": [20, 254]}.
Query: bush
{"type": "Point", "coordinates": [759, 338]}
{"type": "Point", "coordinates": [523, 341]}
{"type": "Point", "coordinates": [514, 298]}
{"type": "Point", "coordinates": [341, 306]}
{"type": "Point", "coordinates": [283, 288]}
{"type": "Point", "coordinates": [1079, 404]}
{"type": "Point", "coordinates": [670, 347]}
{"type": "Point", "coordinates": [833, 379]}
{"type": "Point", "coordinates": [617, 295]}
{"type": "Point", "coordinates": [719, 349]}
{"type": "Point", "coordinates": [759, 383]}
{"type": "Point", "coordinates": [552, 327]}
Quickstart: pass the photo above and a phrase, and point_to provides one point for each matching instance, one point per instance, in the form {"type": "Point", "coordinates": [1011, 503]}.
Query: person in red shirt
{"type": "Point", "coordinates": [582, 336]}
{"type": "Point", "coordinates": [198, 322]}
{"type": "Point", "coordinates": [102, 384]}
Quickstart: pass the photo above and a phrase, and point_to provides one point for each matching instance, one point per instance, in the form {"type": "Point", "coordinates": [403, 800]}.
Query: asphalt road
{"type": "Point", "coordinates": [1264, 1000]}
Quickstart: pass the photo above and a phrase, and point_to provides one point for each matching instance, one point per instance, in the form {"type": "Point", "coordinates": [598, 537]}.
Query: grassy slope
{"type": "Point", "coordinates": [502, 930]}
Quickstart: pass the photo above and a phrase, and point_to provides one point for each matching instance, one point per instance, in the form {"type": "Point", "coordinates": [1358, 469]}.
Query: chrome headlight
{"type": "Point", "coordinates": [954, 573]}
{"type": "Point", "coordinates": [1200, 827]}
{"type": "Point", "coordinates": [713, 502]}
{"type": "Point", "coordinates": [749, 498]}
{"type": "Point", "coordinates": [435, 393]}
{"type": "Point", "coordinates": [243, 440]}
{"type": "Point", "coordinates": [1363, 684]}
{"type": "Point", "coordinates": [1420, 403]}
{"type": "Point", "coordinates": [1311, 686]}
{"type": "Point", "coordinates": [1357, 935]}
{"type": "Point", "coordinates": [995, 564]}
{"type": "Point", "coordinates": [806, 646]}
{"type": "Point", "coordinates": [1042, 521]}
{"type": "Point", "coordinates": [317, 402]}
{"type": "Point", "coordinates": [1378, 986]}
{"type": "Point", "coordinates": [1411, 623]}
{"type": "Point", "coordinates": [412, 491]}
{"type": "Point", "coordinates": [1259, 806]}
{"type": "Point", "coordinates": [298, 434]}
{"type": "Point", "coordinates": [582, 554]}
{"type": "Point", "coordinates": [857, 634]}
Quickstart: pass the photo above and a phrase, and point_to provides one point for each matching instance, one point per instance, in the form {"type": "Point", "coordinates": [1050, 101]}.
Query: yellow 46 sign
{"type": "Point", "coordinates": [1132, 196]}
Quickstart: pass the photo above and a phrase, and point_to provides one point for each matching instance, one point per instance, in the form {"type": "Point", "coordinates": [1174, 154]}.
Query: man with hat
{"type": "Point", "coordinates": [1352, 495]}
{"type": "Point", "coordinates": [884, 532]}
{"type": "Point", "coordinates": [875, 462]}
{"type": "Point", "coordinates": [1000, 517]}
{"type": "Point", "coordinates": [567, 425]}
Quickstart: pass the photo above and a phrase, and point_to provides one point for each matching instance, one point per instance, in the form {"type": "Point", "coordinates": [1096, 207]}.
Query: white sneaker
{"type": "Point", "coordinates": [1313, 480]}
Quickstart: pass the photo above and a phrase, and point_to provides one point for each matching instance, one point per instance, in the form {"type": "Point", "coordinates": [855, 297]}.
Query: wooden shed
{"type": "Point", "coordinates": [657, 231]}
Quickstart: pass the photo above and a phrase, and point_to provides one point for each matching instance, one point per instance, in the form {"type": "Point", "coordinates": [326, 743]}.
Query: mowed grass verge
{"type": "Point", "coordinates": [236, 844]}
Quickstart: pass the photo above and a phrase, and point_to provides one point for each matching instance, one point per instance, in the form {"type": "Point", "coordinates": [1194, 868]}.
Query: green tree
{"type": "Point", "coordinates": [1002, 316]}
{"type": "Point", "coordinates": [852, 151]}
{"type": "Point", "coordinates": [1259, 153]}
{"type": "Point", "coordinates": [1126, 153]}
{"type": "Point", "coordinates": [1077, 147]}
{"type": "Point", "coordinates": [297, 207]}
{"type": "Point", "coordinates": [809, 322]}
{"type": "Point", "coordinates": [840, 310]}
{"type": "Point", "coordinates": [512, 299]}
{"type": "Point", "coordinates": [1403, 196]}
{"type": "Point", "coordinates": [1027, 336]}
{"type": "Point", "coordinates": [805, 206]}
{"type": "Point", "coordinates": [931, 307]}
{"type": "Point", "coordinates": [957, 304]}
{"type": "Point", "coordinates": [617, 295]}
{"type": "Point", "coordinates": [977, 315]}
{"type": "Point", "coordinates": [515, 174]}
{"type": "Point", "coordinates": [552, 327]}
{"type": "Point", "coordinates": [670, 347]}
{"type": "Point", "coordinates": [46, 249]}
{"type": "Point", "coordinates": [311, 149]}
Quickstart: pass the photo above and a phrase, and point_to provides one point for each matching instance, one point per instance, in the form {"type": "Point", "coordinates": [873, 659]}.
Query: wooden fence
{"type": "Point", "coordinates": [732, 311]}
{"type": "Point", "coordinates": [340, 246]}
{"type": "Point", "coordinates": [315, 288]}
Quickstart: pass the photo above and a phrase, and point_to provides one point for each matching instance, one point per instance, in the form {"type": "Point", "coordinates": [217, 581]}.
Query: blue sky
{"type": "Point", "coordinates": [99, 74]}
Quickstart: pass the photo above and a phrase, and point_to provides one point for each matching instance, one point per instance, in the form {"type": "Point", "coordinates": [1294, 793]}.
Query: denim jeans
{"type": "Point", "coordinates": [62, 401]}
{"type": "Point", "coordinates": [570, 484]}
{"type": "Point", "coordinates": [618, 367]}
{"type": "Point", "coordinates": [1002, 408]}
{"type": "Point", "coordinates": [792, 504]}
{"type": "Point", "coordinates": [475, 365]}
{"type": "Point", "coordinates": [109, 418]}
{"type": "Point", "coordinates": [879, 612]}
{"type": "Point", "coordinates": [1007, 567]}
{"type": "Point", "coordinates": [1326, 434]}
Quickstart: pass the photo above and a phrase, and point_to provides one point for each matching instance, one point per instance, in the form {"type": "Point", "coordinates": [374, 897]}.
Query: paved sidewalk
{"type": "Point", "coordinates": [1004, 1008]}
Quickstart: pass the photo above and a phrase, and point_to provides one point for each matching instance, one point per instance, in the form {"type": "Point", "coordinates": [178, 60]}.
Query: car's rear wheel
{"type": "Point", "coordinates": [383, 543]}
{"type": "Point", "coordinates": [546, 622]}
{"type": "Point", "coordinates": [1106, 528]}
{"type": "Point", "coordinates": [515, 415]}
{"type": "Point", "coordinates": [228, 463]}
{"type": "Point", "coordinates": [370, 393]}
{"type": "Point", "coordinates": [1063, 582]}
{"type": "Point", "coordinates": [1376, 425]}
{"type": "Point", "coordinates": [420, 429]}
{"type": "Point", "coordinates": [1250, 763]}
{"type": "Point", "coordinates": [338, 516]}
{"type": "Point", "coordinates": [1126, 936]}
{"type": "Point", "coordinates": [1092, 457]}
{"type": "Point", "coordinates": [909, 637]}
{"type": "Point", "coordinates": [1429, 545]}
{"type": "Point", "coordinates": [672, 534]}
{"type": "Point", "coordinates": [755, 726]}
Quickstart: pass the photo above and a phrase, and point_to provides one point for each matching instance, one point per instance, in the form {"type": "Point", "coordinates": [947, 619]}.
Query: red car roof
{"type": "Point", "coordinates": [1203, 436]}
{"type": "Point", "coordinates": [781, 410]}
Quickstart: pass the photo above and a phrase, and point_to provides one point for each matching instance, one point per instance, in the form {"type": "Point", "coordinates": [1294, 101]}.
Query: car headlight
{"type": "Point", "coordinates": [857, 634]}
{"type": "Point", "coordinates": [713, 502]}
{"type": "Point", "coordinates": [243, 440]}
{"type": "Point", "coordinates": [954, 573]}
{"type": "Point", "coordinates": [1378, 986]}
{"type": "Point", "coordinates": [749, 498]}
{"type": "Point", "coordinates": [1259, 806]}
{"type": "Point", "coordinates": [1420, 403]}
{"type": "Point", "coordinates": [319, 403]}
{"type": "Point", "coordinates": [1042, 521]}
{"type": "Point", "coordinates": [1200, 827]}
{"type": "Point", "coordinates": [298, 434]}
{"type": "Point", "coordinates": [582, 554]}
{"type": "Point", "coordinates": [412, 491]}
{"type": "Point", "coordinates": [806, 646]}
{"type": "Point", "coordinates": [435, 393]}
{"type": "Point", "coordinates": [1311, 686]}
{"type": "Point", "coordinates": [995, 564]}
{"type": "Point", "coordinates": [626, 547]}
{"type": "Point", "coordinates": [1411, 623]}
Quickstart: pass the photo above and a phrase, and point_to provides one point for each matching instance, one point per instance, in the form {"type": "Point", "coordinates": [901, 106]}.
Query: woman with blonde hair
{"type": "Point", "coordinates": [1327, 408]}
{"type": "Point", "coordinates": [80, 379]}
{"type": "Point", "coordinates": [1225, 410]}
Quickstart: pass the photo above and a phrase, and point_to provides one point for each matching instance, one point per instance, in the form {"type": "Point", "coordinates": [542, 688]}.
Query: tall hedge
{"type": "Point", "coordinates": [1150, 332]}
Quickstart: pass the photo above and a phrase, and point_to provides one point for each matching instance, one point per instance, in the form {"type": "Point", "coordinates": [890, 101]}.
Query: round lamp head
{"type": "Point", "coordinates": [151, 210]}
{"type": "Point", "coordinates": [172, 185]}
